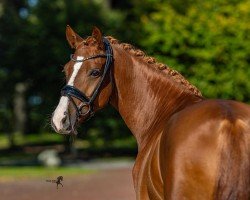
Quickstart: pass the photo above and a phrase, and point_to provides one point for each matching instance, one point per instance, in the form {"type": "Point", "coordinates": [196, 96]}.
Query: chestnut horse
{"type": "Point", "coordinates": [189, 147]}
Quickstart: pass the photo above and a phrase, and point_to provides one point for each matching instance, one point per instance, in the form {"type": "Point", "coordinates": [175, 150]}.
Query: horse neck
{"type": "Point", "coordinates": [145, 97]}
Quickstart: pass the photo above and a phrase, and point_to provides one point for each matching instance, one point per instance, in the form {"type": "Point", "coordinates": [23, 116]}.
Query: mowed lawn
{"type": "Point", "coordinates": [27, 173]}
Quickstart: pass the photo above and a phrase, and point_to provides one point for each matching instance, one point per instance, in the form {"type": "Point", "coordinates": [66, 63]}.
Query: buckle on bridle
{"type": "Point", "coordinates": [82, 106]}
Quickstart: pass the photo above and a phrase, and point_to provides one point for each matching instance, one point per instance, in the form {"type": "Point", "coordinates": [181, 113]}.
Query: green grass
{"type": "Point", "coordinates": [27, 173]}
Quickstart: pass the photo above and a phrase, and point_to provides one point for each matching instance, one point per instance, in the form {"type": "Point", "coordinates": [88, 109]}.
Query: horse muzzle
{"type": "Point", "coordinates": [63, 124]}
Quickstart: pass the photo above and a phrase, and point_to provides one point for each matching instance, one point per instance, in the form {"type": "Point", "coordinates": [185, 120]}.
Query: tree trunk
{"type": "Point", "coordinates": [20, 108]}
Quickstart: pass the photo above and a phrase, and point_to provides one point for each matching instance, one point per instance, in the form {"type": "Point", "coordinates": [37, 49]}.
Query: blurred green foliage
{"type": "Point", "coordinates": [206, 40]}
{"type": "Point", "coordinates": [31, 139]}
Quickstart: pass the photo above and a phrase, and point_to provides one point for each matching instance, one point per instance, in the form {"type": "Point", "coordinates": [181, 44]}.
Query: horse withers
{"type": "Point", "coordinates": [189, 147]}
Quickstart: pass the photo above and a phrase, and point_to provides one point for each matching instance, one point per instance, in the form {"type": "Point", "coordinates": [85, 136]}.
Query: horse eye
{"type": "Point", "coordinates": [95, 73]}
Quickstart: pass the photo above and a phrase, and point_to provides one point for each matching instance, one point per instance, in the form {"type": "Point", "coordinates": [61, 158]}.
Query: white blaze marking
{"type": "Point", "coordinates": [77, 66]}
{"type": "Point", "coordinates": [64, 101]}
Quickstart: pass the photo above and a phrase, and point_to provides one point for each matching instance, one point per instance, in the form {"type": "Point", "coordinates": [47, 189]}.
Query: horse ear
{"type": "Point", "coordinates": [96, 33]}
{"type": "Point", "coordinates": [73, 39]}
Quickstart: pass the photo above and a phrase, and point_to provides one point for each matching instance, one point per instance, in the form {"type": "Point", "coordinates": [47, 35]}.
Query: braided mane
{"type": "Point", "coordinates": [176, 76]}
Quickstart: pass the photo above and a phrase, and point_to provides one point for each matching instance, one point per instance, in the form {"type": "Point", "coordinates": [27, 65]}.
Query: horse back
{"type": "Point", "coordinates": [205, 152]}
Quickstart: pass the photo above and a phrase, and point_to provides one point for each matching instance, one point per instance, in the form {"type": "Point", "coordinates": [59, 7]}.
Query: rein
{"type": "Point", "coordinates": [87, 102]}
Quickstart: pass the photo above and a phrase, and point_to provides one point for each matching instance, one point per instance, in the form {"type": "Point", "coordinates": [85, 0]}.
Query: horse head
{"type": "Point", "coordinates": [88, 81]}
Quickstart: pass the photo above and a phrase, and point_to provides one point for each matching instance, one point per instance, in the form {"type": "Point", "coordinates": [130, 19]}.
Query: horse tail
{"type": "Point", "coordinates": [234, 169]}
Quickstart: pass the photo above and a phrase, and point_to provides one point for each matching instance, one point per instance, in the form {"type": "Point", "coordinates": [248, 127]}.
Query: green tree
{"type": "Point", "coordinates": [209, 43]}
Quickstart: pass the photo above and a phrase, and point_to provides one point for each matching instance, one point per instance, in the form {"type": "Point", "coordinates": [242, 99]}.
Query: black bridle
{"type": "Point", "coordinates": [87, 102]}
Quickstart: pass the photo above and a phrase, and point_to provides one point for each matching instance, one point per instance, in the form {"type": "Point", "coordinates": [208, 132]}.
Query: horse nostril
{"type": "Point", "coordinates": [64, 119]}
{"type": "Point", "coordinates": [69, 128]}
